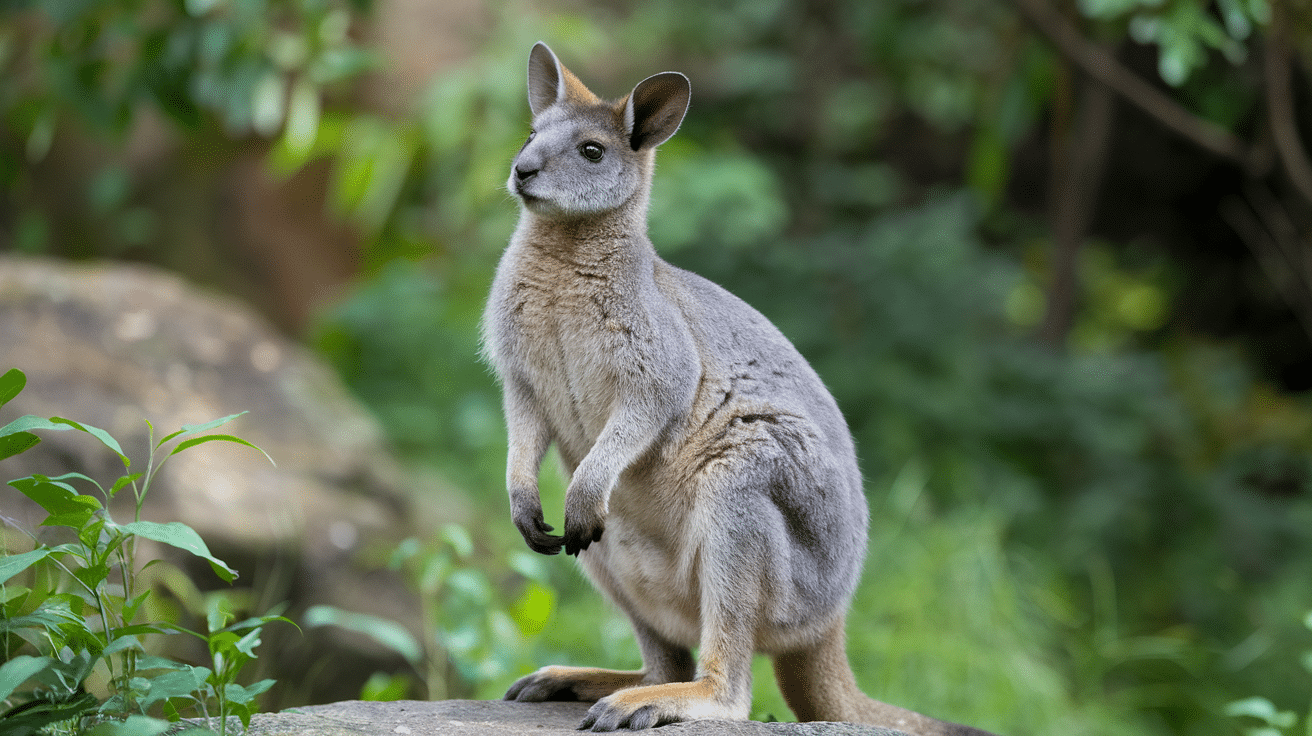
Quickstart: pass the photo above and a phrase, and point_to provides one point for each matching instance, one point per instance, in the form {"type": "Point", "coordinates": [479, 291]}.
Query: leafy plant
{"type": "Point", "coordinates": [474, 637]}
{"type": "Point", "coordinates": [1273, 720]}
{"type": "Point", "coordinates": [82, 608]}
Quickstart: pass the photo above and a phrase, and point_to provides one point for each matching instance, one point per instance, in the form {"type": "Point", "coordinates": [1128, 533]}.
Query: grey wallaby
{"type": "Point", "coordinates": [714, 494]}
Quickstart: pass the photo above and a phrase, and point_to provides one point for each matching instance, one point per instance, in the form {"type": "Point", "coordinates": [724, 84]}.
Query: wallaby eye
{"type": "Point", "coordinates": [592, 151]}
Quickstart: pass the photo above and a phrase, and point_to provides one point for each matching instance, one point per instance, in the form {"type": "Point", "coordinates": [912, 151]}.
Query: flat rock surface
{"type": "Point", "coordinates": [470, 717]}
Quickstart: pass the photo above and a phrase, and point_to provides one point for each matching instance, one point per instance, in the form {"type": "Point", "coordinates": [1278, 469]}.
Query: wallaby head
{"type": "Point", "coordinates": [586, 156]}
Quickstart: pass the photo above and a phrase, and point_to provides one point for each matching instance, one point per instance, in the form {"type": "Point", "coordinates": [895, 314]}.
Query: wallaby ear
{"type": "Point", "coordinates": [546, 79]}
{"type": "Point", "coordinates": [655, 109]}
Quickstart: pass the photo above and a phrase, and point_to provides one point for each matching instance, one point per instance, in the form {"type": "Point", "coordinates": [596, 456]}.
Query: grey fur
{"type": "Point", "coordinates": [714, 493]}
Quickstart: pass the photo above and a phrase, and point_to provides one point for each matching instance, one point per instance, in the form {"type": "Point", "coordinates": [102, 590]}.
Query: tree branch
{"type": "Point", "coordinates": [1077, 179]}
{"type": "Point", "coordinates": [1277, 63]}
{"type": "Point", "coordinates": [1104, 67]}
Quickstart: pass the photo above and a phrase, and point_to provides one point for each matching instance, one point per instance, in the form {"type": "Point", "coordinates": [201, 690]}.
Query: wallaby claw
{"type": "Point", "coordinates": [603, 716]}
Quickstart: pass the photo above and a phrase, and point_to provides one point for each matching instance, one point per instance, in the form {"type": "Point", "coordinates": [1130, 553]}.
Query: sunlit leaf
{"type": "Point", "coordinates": [133, 725]}
{"type": "Point", "coordinates": [13, 444]}
{"type": "Point", "coordinates": [18, 670]}
{"type": "Point", "coordinates": [187, 444]}
{"type": "Point", "coordinates": [105, 438]}
{"type": "Point", "coordinates": [64, 504]}
{"type": "Point", "coordinates": [11, 565]}
{"type": "Point", "coordinates": [11, 384]}
{"type": "Point", "coordinates": [177, 534]}
{"type": "Point", "coordinates": [385, 632]}
{"type": "Point", "coordinates": [193, 429]}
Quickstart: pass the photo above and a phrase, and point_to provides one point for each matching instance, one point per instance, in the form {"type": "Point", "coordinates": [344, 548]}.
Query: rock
{"type": "Point", "coordinates": [112, 345]}
{"type": "Point", "coordinates": [479, 717]}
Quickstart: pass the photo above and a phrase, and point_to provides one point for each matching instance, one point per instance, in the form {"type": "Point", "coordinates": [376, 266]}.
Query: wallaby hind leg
{"type": "Point", "coordinates": [722, 689]}
{"type": "Point", "coordinates": [662, 662]}
{"type": "Point", "coordinates": [818, 684]}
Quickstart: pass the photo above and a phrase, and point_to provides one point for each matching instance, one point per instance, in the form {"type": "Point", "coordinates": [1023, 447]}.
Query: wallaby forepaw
{"type": "Point", "coordinates": [534, 528]}
{"type": "Point", "coordinates": [579, 536]}
{"type": "Point", "coordinates": [584, 521]}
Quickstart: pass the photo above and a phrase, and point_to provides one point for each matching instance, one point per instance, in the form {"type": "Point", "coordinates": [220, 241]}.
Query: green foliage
{"type": "Point", "coordinates": [1274, 722]}
{"type": "Point", "coordinates": [1108, 541]}
{"type": "Point", "coordinates": [96, 62]}
{"type": "Point", "coordinates": [212, 68]}
{"type": "Point", "coordinates": [1185, 31]}
{"type": "Point", "coordinates": [475, 635]}
{"type": "Point", "coordinates": [1082, 509]}
{"type": "Point", "coordinates": [80, 610]}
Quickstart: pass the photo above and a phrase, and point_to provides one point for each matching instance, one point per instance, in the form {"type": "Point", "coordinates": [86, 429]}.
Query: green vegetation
{"type": "Point", "coordinates": [1091, 495]}
{"type": "Point", "coordinates": [79, 618]}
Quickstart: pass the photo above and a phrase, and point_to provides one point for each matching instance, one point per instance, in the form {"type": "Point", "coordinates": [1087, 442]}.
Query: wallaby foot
{"type": "Point", "coordinates": [656, 705]}
{"type": "Point", "coordinates": [587, 684]}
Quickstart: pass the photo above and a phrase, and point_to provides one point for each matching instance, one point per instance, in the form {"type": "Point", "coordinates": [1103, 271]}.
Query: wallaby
{"type": "Point", "coordinates": [714, 494]}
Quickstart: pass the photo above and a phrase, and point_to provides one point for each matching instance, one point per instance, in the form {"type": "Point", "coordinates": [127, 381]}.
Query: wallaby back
{"type": "Point", "coordinates": [714, 494]}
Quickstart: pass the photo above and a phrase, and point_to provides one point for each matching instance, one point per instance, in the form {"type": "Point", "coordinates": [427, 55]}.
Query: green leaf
{"type": "Point", "coordinates": [534, 608]}
{"type": "Point", "coordinates": [246, 645]}
{"type": "Point", "coordinates": [130, 607]}
{"type": "Point", "coordinates": [76, 476]}
{"type": "Point", "coordinates": [41, 713]}
{"type": "Point", "coordinates": [123, 640]}
{"type": "Point", "coordinates": [179, 683]}
{"type": "Point", "coordinates": [89, 535]}
{"type": "Point", "coordinates": [11, 565]}
{"type": "Point", "coordinates": [92, 575]}
{"type": "Point", "coordinates": [51, 615]}
{"type": "Point", "coordinates": [191, 429]}
{"type": "Point", "coordinates": [388, 633]}
{"type": "Point", "coordinates": [1263, 710]}
{"type": "Point", "coordinates": [64, 504]}
{"type": "Point", "coordinates": [11, 383]}
{"type": "Point", "coordinates": [132, 726]}
{"type": "Point", "coordinates": [19, 670]}
{"type": "Point", "coordinates": [177, 534]}
{"type": "Point", "coordinates": [13, 444]}
{"type": "Point", "coordinates": [220, 437]}
{"type": "Point", "coordinates": [123, 482]}
{"type": "Point", "coordinates": [105, 438]}
{"type": "Point", "coordinates": [29, 422]}
{"type": "Point", "coordinates": [237, 694]}
{"type": "Point", "coordinates": [384, 687]}
{"type": "Point", "coordinates": [458, 537]}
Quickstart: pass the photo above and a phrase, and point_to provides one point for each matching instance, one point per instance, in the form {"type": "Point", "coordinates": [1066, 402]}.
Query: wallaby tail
{"type": "Point", "coordinates": [819, 686]}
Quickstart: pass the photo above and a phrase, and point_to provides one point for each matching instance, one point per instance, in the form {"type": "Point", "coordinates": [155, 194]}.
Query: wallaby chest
{"type": "Point", "coordinates": [577, 331]}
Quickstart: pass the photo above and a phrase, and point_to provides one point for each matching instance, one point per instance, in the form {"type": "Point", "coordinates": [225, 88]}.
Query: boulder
{"type": "Point", "coordinates": [114, 345]}
{"type": "Point", "coordinates": [480, 717]}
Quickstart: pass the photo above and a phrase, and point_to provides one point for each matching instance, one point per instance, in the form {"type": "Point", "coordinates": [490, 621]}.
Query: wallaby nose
{"type": "Point", "coordinates": [524, 173]}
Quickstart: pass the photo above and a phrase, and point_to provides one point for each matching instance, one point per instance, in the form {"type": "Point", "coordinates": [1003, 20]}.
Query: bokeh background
{"type": "Point", "coordinates": [1051, 257]}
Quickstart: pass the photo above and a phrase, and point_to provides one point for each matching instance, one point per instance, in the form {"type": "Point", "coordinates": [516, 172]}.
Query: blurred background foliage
{"type": "Point", "coordinates": [1050, 258]}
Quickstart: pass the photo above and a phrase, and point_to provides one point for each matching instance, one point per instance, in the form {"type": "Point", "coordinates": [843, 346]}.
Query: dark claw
{"type": "Point", "coordinates": [604, 717]}
{"type": "Point", "coordinates": [644, 717]}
